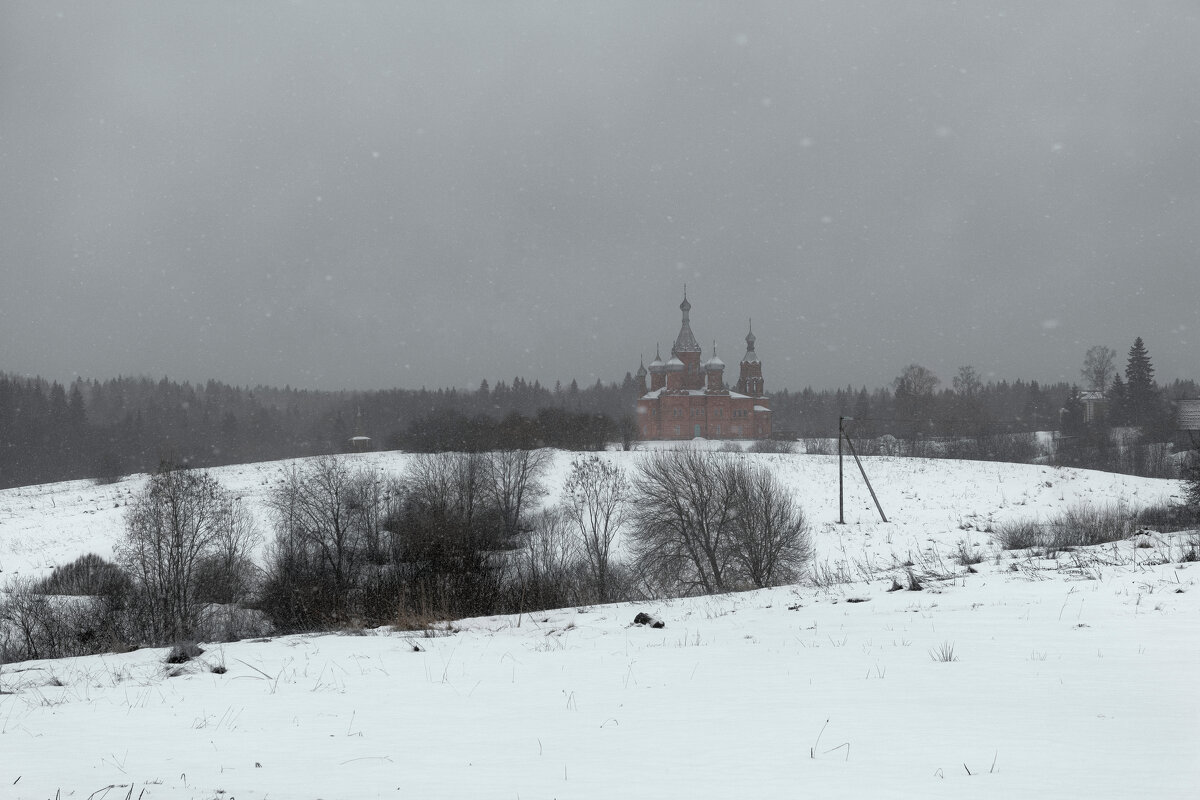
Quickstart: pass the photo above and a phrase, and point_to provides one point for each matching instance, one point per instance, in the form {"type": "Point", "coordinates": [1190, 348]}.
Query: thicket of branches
{"type": "Point", "coordinates": [708, 522]}
{"type": "Point", "coordinates": [437, 541]}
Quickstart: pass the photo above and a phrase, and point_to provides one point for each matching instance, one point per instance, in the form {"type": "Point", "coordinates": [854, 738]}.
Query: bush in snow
{"type": "Point", "coordinates": [708, 522]}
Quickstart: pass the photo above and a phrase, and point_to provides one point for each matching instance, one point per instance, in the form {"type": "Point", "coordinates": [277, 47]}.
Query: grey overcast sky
{"type": "Point", "coordinates": [377, 194]}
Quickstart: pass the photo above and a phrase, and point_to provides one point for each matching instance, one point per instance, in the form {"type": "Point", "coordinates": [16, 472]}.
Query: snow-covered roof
{"type": "Point", "coordinates": [657, 393]}
{"type": "Point", "coordinates": [762, 410]}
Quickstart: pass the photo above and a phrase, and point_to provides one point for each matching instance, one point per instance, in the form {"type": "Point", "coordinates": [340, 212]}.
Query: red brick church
{"type": "Point", "coordinates": [688, 398]}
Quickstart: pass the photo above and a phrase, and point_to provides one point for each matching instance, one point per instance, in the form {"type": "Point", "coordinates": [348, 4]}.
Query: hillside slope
{"type": "Point", "coordinates": [1030, 677]}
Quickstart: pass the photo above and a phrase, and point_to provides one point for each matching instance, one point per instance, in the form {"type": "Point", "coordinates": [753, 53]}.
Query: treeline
{"type": "Point", "coordinates": [1017, 407]}
{"type": "Point", "coordinates": [105, 429]}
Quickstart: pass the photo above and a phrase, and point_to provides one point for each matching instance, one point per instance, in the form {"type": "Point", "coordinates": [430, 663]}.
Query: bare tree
{"type": "Point", "coordinates": [546, 567]}
{"type": "Point", "coordinates": [318, 519]}
{"type": "Point", "coordinates": [770, 534]}
{"type": "Point", "coordinates": [681, 521]}
{"type": "Point", "coordinates": [1098, 367]}
{"type": "Point", "coordinates": [513, 480]}
{"type": "Point", "coordinates": [452, 482]}
{"type": "Point", "coordinates": [914, 401]}
{"type": "Point", "coordinates": [595, 500]}
{"type": "Point", "coordinates": [174, 524]}
{"type": "Point", "coordinates": [967, 383]}
{"type": "Point", "coordinates": [711, 522]}
{"type": "Point", "coordinates": [373, 499]}
{"type": "Point", "coordinates": [916, 381]}
{"type": "Point", "coordinates": [226, 575]}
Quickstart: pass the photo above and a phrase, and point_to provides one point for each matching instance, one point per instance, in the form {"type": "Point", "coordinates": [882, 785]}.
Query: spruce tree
{"type": "Point", "coordinates": [1139, 385]}
{"type": "Point", "coordinates": [1191, 483]}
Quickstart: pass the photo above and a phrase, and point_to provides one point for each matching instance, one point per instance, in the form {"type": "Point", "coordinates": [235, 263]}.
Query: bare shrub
{"type": "Point", "coordinates": [966, 554]}
{"type": "Point", "coordinates": [771, 540]}
{"type": "Point", "coordinates": [451, 545]}
{"type": "Point", "coordinates": [773, 446]}
{"type": "Point", "coordinates": [37, 625]}
{"type": "Point", "coordinates": [1021, 535]}
{"type": "Point", "coordinates": [1083, 526]}
{"type": "Point", "coordinates": [819, 447]}
{"type": "Point", "coordinates": [37, 629]}
{"type": "Point", "coordinates": [1191, 548]}
{"type": "Point", "coordinates": [183, 653]}
{"type": "Point", "coordinates": [1165, 517]}
{"type": "Point", "coordinates": [705, 522]}
{"type": "Point", "coordinates": [89, 574]}
{"type": "Point", "coordinates": [547, 569]}
{"type": "Point", "coordinates": [1017, 448]}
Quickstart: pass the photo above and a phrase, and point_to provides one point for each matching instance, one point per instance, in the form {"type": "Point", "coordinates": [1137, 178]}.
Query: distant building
{"type": "Point", "coordinates": [688, 398]}
{"type": "Point", "coordinates": [1095, 404]}
{"type": "Point", "coordinates": [1189, 419]}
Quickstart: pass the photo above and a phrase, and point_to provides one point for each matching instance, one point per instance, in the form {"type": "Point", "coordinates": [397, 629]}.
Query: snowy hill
{"type": "Point", "coordinates": [928, 502]}
{"type": "Point", "coordinates": [1046, 678]}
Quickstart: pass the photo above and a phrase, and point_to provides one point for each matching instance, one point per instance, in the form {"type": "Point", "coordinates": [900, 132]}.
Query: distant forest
{"type": "Point", "coordinates": [104, 429]}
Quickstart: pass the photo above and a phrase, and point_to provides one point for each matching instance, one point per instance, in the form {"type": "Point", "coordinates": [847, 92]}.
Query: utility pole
{"type": "Point", "coordinates": [841, 490]}
{"type": "Point", "coordinates": [841, 500]}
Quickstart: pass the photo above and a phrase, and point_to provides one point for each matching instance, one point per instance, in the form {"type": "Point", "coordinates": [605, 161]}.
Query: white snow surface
{"type": "Point", "coordinates": [1069, 678]}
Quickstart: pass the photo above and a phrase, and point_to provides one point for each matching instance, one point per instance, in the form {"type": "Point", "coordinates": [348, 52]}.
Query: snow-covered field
{"type": "Point", "coordinates": [1028, 678]}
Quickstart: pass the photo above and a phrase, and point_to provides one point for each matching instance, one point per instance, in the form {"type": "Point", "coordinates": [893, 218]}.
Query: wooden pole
{"type": "Point", "coordinates": [865, 478]}
{"type": "Point", "coordinates": [841, 489]}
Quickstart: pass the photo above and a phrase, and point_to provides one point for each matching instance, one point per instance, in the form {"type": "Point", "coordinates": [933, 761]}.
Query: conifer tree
{"type": "Point", "coordinates": [1141, 392]}
{"type": "Point", "coordinates": [1191, 483]}
{"type": "Point", "coordinates": [1118, 402]}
